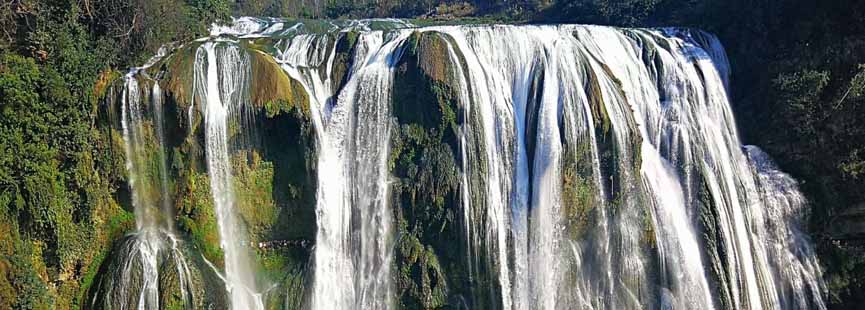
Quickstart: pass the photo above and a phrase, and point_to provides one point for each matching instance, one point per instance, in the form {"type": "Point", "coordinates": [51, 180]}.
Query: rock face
{"type": "Point", "coordinates": [850, 224]}
{"type": "Point", "coordinates": [273, 181]}
{"type": "Point", "coordinates": [373, 165]}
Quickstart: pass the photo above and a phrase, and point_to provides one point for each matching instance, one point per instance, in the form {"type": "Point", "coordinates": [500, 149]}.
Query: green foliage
{"type": "Point", "coordinates": [210, 9]}
{"type": "Point", "coordinates": [852, 167]}
{"type": "Point", "coordinates": [799, 94]}
{"type": "Point", "coordinates": [822, 117]}
{"type": "Point", "coordinates": [283, 8]}
{"type": "Point", "coordinates": [420, 276]}
{"type": "Point", "coordinates": [196, 215]}
{"type": "Point", "coordinates": [253, 185]}
{"type": "Point", "coordinates": [61, 176]}
{"type": "Point", "coordinates": [117, 225]}
{"type": "Point", "coordinates": [432, 9]}
{"type": "Point", "coordinates": [32, 293]}
{"type": "Point", "coordinates": [605, 12]}
{"type": "Point", "coordinates": [45, 173]}
{"type": "Point", "coordinates": [349, 9]}
{"type": "Point", "coordinates": [459, 9]}
{"type": "Point", "coordinates": [848, 264]}
{"type": "Point", "coordinates": [139, 27]}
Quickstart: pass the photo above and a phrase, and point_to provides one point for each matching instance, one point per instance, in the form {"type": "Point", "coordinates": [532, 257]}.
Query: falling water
{"type": "Point", "coordinates": [222, 77]}
{"type": "Point", "coordinates": [135, 283]}
{"type": "Point", "coordinates": [794, 273]}
{"type": "Point", "coordinates": [354, 238]}
{"type": "Point", "coordinates": [662, 96]}
{"type": "Point", "coordinates": [146, 244]}
{"type": "Point", "coordinates": [158, 128]}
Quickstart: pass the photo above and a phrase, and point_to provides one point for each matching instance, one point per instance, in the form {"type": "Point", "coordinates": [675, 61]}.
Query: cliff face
{"type": "Point", "coordinates": [373, 165]}
{"type": "Point", "coordinates": [272, 161]}
{"type": "Point", "coordinates": [65, 198]}
{"type": "Point", "coordinates": [849, 225]}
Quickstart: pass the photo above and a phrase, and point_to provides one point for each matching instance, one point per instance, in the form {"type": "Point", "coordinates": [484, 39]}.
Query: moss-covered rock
{"type": "Point", "coordinates": [273, 89]}
{"type": "Point", "coordinates": [185, 280]}
{"type": "Point", "coordinates": [579, 193]}
{"type": "Point", "coordinates": [277, 203]}
{"type": "Point", "coordinates": [426, 189]}
{"type": "Point", "coordinates": [345, 46]}
{"type": "Point", "coordinates": [177, 74]}
{"type": "Point", "coordinates": [421, 277]}
{"type": "Point", "coordinates": [712, 237]}
{"type": "Point", "coordinates": [106, 78]}
{"type": "Point", "coordinates": [196, 215]}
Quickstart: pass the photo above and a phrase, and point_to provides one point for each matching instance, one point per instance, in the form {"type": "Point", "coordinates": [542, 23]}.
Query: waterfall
{"type": "Point", "coordinates": [354, 237]}
{"type": "Point", "coordinates": [136, 282]}
{"type": "Point", "coordinates": [662, 95]}
{"type": "Point", "coordinates": [794, 273]}
{"type": "Point", "coordinates": [222, 77]}
{"type": "Point", "coordinates": [147, 245]}
{"type": "Point", "coordinates": [682, 270]}
{"type": "Point", "coordinates": [599, 168]}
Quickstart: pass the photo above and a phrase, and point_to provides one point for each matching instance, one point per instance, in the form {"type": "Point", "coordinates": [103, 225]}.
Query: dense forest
{"type": "Point", "coordinates": [798, 90]}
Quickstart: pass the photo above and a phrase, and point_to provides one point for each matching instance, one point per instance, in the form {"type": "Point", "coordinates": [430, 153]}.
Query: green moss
{"type": "Point", "coordinates": [345, 46]}
{"type": "Point", "coordinates": [426, 193]}
{"type": "Point", "coordinates": [117, 226]}
{"type": "Point", "coordinates": [421, 276]}
{"type": "Point", "coordinates": [197, 215]}
{"type": "Point", "coordinates": [106, 78]}
{"type": "Point", "coordinates": [613, 159]}
{"type": "Point", "coordinates": [148, 160]}
{"type": "Point", "coordinates": [711, 237]}
{"type": "Point", "coordinates": [649, 237]}
{"type": "Point", "coordinates": [26, 288]}
{"type": "Point", "coordinates": [283, 269]}
{"type": "Point", "coordinates": [253, 186]}
{"type": "Point", "coordinates": [284, 170]}
{"type": "Point", "coordinates": [274, 186]}
{"type": "Point", "coordinates": [279, 106]}
{"type": "Point", "coordinates": [427, 97]}
{"type": "Point", "coordinates": [273, 263]}
{"type": "Point", "coordinates": [578, 195]}
{"type": "Point", "coordinates": [273, 89]}
{"type": "Point", "coordinates": [170, 293]}
{"type": "Point", "coordinates": [175, 304]}
{"type": "Point", "coordinates": [180, 72]}
{"type": "Point", "coordinates": [596, 103]}
{"type": "Point", "coordinates": [7, 249]}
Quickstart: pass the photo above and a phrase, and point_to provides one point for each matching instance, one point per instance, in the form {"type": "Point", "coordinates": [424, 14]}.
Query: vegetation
{"type": "Point", "coordinates": [274, 89]}
{"type": "Point", "coordinates": [62, 181]}
{"type": "Point", "coordinates": [196, 215]}
{"type": "Point", "coordinates": [426, 187]}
